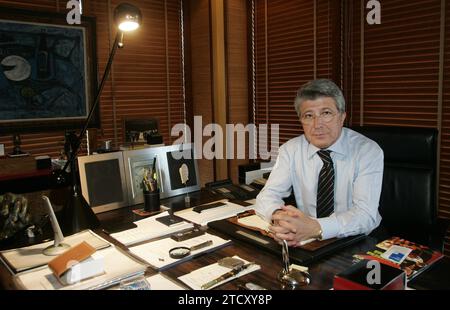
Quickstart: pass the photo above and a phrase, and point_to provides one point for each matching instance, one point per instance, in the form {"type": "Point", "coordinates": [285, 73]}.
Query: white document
{"type": "Point", "coordinates": [149, 228]}
{"type": "Point", "coordinates": [203, 218]}
{"type": "Point", "coordinates": [156, 282]}
{"type": "Point", "coordinates": [257, 222]}
{"type": "Point", "coordinates": [251, 201]}
{"type": "Point", "coordinates": [199, 277]}
{"type": "Point", "coordinates": [254, 221]}
{"type": "Point", "coordinates": [156, 253]}
{"type": "Point", "coordinates": [252, 175]}
{"type": "Point", "coordinates": [30, 257]}
{"type": "Point", "coordinates": [118, 266]}
{"type": "Point", "coordinates": [161, 282]}
{"type": "Point", "coordinates": [90, 267]}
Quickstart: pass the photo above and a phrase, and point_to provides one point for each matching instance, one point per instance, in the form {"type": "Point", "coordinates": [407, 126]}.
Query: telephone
{"type": "Point", "coordinates": [231, 191]}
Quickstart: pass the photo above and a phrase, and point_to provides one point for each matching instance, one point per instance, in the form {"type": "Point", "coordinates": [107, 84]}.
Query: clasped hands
{"type": "Point", "coordinates": [292, 225]}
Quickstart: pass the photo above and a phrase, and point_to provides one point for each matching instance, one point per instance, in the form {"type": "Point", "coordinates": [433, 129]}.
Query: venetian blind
{"type": "Point", "coordinates": [147, 75]}
{"type": "Point", "coordinates": [400, 63]}
{"type": "Point", "coordinates": [294, 43]}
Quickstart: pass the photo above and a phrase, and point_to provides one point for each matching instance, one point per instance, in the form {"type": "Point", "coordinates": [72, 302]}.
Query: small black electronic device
{"type": "Point", "coordinates": [227, 189]}
{"type": "Point", "coordinates": [181, 236]}
{"type": "Point", "coordinates": [169, 220]}
{"type": "Point", "coordinates": [201, 208]}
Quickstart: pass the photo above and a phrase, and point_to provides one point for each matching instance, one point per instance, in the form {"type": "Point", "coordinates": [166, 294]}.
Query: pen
{"type": "Point", "coordinates": [153, 184]}
{"type": "Point", "coordinates": [152, 176]}
{"type": "Point", "coordinates": [145, 181]}
{"type": "Point", "coordinates": [236, 270]}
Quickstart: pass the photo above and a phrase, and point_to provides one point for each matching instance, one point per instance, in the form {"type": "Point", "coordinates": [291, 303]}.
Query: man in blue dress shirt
{"type": "Point", "coordinates": [335, 173]}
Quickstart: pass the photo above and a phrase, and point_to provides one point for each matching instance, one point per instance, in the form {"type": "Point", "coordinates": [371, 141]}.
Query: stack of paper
{"type": "Point", "coordinates": [118, 266]}
{"type": "Point", "coordinates": [25, 258]}
{"type": "Point", "coordinates": [203, 218]}
{"type": "Point", "coordinates": [149, 228]}
{"type": "Point", "coordinates": [161, 282]}
{"type": "Point", "coordinates": [199, 277]}
{"type": "Point", "coordinates": [156, 253]}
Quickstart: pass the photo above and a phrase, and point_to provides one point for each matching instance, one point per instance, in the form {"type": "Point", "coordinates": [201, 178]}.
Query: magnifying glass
{"type": "Point", "coordinates": [182, 251]}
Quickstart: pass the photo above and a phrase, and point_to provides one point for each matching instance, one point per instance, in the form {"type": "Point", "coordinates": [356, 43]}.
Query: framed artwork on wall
{"type": "Point", "coordinates": [48, 71]}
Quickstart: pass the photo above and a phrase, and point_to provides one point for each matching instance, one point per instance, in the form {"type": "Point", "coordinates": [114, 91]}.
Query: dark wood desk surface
{"type": "Point", "coordinates": [20, 168]}
{"type": "Point", "coordinates": [20, 175]}
{"type": "Point", "coordinates": [322, 271]}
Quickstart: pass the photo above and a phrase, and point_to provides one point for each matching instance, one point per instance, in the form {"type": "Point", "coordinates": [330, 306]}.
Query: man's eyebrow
{"type": "Point", "coordinates": [308, 110]}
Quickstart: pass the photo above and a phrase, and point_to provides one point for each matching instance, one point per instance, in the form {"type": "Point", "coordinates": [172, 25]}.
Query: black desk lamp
{"type": "Point", "coordinates": [77, 214]}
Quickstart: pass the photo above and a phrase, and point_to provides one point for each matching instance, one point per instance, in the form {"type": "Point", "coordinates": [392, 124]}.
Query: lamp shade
{"type": "Point", "coordinates": [127, 17]}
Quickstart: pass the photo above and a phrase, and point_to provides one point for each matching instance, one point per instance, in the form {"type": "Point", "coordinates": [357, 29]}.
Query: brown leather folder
{"type": "Point", "coordinates": [312, 246]}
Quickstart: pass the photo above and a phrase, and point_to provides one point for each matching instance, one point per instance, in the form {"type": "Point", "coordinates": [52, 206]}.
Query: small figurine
{"type": "Point", "coordinates": [14, 215]}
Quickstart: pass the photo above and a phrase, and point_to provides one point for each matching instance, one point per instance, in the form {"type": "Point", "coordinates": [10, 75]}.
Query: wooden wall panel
{"type": "Point", "coordinates": [201, 76]}
{"type": "Point", "coordinates": [218, 51]}
{"type": "Point", "coordinates": [237, 73]}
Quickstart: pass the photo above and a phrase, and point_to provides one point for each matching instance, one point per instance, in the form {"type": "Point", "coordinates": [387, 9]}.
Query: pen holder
{"type": "Point", "coordinates": [151, 201]}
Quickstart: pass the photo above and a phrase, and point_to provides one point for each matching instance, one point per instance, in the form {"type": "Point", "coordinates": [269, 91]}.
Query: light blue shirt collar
{"type": "Point", "coordinates": [338, 147]}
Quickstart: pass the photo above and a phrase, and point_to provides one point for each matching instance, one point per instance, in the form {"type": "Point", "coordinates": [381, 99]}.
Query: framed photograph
{"type": "Point", "coordinates": [48, 75]}
{"type": "Point", "coordinates": [137, 163]}
{"type": "Point", "coordinates": [103, 182]}
{"type": "Point", "coordinates": [176, 156]}
{"type": "Point", "coordinates": [169, 160]}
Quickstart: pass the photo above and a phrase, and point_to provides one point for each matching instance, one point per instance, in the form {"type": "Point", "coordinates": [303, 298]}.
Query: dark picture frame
{"type": "Point", "coordinates": [48, 71]}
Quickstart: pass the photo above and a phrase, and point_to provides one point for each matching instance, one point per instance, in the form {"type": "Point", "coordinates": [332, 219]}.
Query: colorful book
{"type": "Point", "coordinates": [419, 258]}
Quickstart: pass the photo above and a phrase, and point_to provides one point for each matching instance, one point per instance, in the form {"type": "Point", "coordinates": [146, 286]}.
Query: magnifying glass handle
{"type": "Point", "coordinates": [201, 245]}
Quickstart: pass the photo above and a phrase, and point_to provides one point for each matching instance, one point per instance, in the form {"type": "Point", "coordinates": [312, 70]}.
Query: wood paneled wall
{"type": "Point", "coordinates": [201, 76]}
{"type": "Point", "coordinates": [237, 73]}
{"type": "Point", "coordinates": [209, 74]}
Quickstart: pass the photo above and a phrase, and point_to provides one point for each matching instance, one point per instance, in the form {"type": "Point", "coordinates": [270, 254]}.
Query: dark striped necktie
{"type": "Point", "coordinates": [325, 189]}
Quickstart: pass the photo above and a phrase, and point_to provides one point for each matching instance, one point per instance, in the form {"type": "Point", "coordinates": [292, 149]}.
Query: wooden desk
{"type": "Point", "coordinates": [322, 271]}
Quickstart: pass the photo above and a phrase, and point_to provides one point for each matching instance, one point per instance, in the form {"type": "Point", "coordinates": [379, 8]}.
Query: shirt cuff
{"type": "Point", "coordinates": [329, 226]}
{"type": "Point", "coordinates": [267, 213]}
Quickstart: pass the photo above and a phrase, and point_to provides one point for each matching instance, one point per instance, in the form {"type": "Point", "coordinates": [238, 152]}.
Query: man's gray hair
{"type": "Point", "coordinates": [317, 89]}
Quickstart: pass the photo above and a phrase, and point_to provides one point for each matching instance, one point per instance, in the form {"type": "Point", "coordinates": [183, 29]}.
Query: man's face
{"type": "Point", "coordinates": [321, 120]}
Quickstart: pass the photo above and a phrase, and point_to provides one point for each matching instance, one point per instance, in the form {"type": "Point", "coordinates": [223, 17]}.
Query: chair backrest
{"type": "Point", "coordinates": [408, 198]}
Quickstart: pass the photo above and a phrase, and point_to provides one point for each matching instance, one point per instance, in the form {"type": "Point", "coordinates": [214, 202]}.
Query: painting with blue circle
{"type": "Point", "coordinates": [42, 72]}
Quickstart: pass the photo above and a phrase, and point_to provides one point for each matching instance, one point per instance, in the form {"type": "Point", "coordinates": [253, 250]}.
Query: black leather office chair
{"type": "Point", "coordinates": [408, 199]}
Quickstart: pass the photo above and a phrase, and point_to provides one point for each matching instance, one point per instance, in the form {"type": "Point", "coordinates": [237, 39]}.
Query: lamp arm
{"type": "Point", "coordinates": [74, 153]}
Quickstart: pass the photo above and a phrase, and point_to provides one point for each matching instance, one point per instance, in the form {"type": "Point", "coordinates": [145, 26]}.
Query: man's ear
{"type": "Point", "coordinates": [343, 116]}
